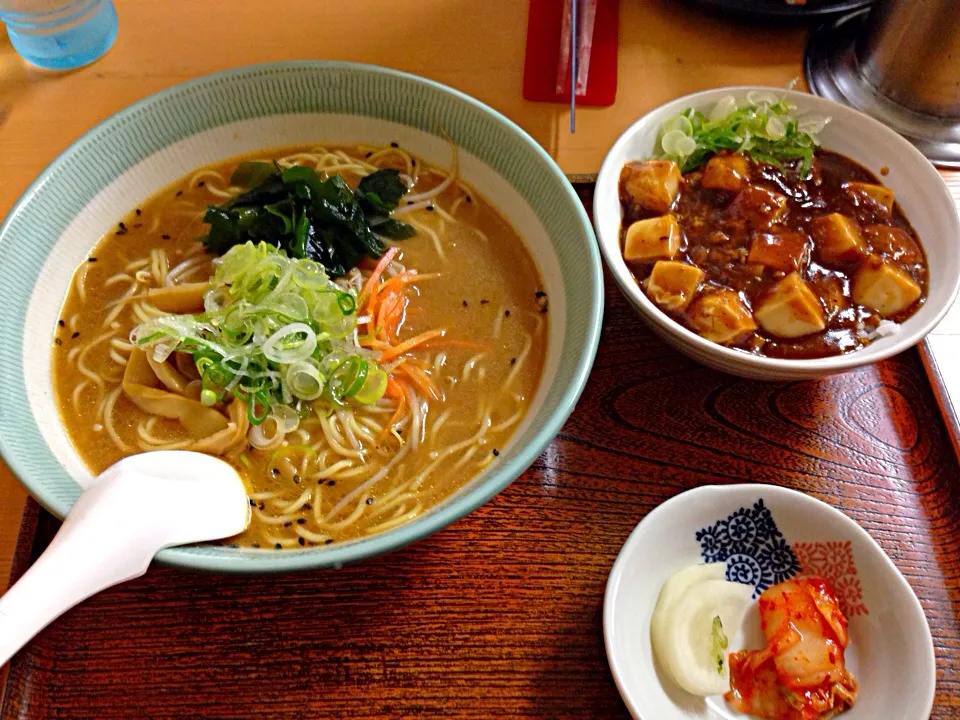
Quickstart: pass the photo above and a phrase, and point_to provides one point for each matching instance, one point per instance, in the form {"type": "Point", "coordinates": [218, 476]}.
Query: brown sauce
{"type": "Point", "coordinates": [719, 227]}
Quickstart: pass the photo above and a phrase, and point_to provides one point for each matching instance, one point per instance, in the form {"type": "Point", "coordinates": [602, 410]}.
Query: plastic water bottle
{"type": "Point", "coordinates": [60, 34]}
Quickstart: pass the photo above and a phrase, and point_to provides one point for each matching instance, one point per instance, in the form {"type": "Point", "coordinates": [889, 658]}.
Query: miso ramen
{"type": "Point", "coordinates": [357, 332]}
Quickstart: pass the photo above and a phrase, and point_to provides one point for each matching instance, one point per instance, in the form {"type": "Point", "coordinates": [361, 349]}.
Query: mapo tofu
{"type": "Point", "coordinates": [776, 260]}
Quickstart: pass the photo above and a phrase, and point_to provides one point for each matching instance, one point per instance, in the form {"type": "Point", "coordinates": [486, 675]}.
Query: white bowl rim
{"type": "Point", "coordinates": [707, 493]}
{"type": "Point", "coordinates": [730, 356]}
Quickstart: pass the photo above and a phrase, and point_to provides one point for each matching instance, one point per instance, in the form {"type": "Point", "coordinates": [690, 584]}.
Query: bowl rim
{"type": "Point", "coordinates": [336, 556]}
{"type": "Point", "coordinates": [737, 358]}
{"type": "Point", "coordinates": [707, 494]}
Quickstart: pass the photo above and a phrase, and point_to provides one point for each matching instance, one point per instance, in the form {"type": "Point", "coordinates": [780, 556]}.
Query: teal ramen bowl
{"type": "Point", "coordinates": [149, 145]}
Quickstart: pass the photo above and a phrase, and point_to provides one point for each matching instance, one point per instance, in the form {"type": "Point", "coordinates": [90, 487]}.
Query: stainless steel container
{"type": "Point", "coordinates": [899, 62]}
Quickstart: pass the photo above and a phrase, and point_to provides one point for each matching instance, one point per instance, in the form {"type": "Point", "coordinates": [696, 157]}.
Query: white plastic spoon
{"type": "Point", "coordinates": [134, 509]}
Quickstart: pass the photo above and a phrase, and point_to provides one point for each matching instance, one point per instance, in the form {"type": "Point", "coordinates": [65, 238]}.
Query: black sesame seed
{"type": "Point", "coordinates": [496, 453]}
{"type": "Point", "coordinates": [253, 503]}
{"type": "Point", "coordinates": [61, 323]}
{"type": "Point", "coordinates": [274, 472]}
{"type": "Point", "coordinates": [469, 199]}
{"type": "Point", "coordinates": [513, 361]}
{"type": "Point", "coordinates": [296, 479]}
{"type": "Point", "coordinates": [261, 506]}
{"type": "Point", "coordinates": [540, 294]}
{"type": "Point", "coordinates": [506, 313]}
{"type": "Point", "coordinates": [484, 301]}
{"type": "Point", "coordinates": [278, 546]}
{"type": "Point", "coordinates": [429, 208]}
{"type": "Point", "coordinates": [201, 183]}
{"type": "Point", "coordinates": [179, 193]}
{"type": "Point", "coordinates": [76, 334]}
{"type": "Point", "coordinates": [328, 541]}
{"type": "Point", "coordinates": [369, 501]}
{"type": "Point", "coordinates": [138, 211]}
{"type": "Point", "coordinates": [301, 541]}
{"type": "Point", "coordinates": [368, 154]}
{"type": "Point", "coordinates": [307, 506]}
{"type": "Point", "coordinates": [301, 521]}
{"type": "Point", "coordinates": [121, 226]}
{"type": "Point", "coordinates": [465, 303]}
{"type": "Point", "coordinates": [394, 145]}
{"type": "Point", "coordinates": [413, 163]}
{"type": "Point", "coordinates": [58, 341]}
{"type": "Point", "coordinates": [543, 309]}
{"type": "Point", "coordinates": [331, 483]}
{"type": "Point", "coordinates": [91, 259]}
{"type": "Point", "coordinates": [256, 545]}
{"type": "Point", "coordinates": [287, 524]}
{"type": "Point", "coordinates": [165, 237]}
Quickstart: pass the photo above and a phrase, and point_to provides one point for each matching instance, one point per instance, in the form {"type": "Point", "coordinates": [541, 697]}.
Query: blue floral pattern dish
{"type": "Point", "coordinates": [750, 543]}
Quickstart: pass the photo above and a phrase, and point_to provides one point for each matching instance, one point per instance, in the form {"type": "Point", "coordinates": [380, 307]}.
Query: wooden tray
{"type": "Point", "coordinates": [500, 614]}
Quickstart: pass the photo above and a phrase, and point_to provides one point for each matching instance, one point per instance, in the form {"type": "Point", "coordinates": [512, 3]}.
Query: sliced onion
{"type": "Point", "coordinates": [812, 125]}
{"type": "Point", "coordinates": [161, 351]}
{"type": "Point", "coordinates": [762, 97]}
{"type": "Point", "coordinates": [679, 122]}
{"type": "Point", "coordinates": [286, 417]}
{"type": "Point", "coordinates": [775, 128]}
{"type": "Point", "coordinates": [675, 142]}
{"type": "Point", "coordinates": [276, 349]}
{"type": "Point", "coordinates": [259, 439]}
{"type": "Point", "coordinates": [216, 299]}
{"type": "Point", "coordinates": [727, 105]}
{"type": "Point", "coordinates": [304, 381]}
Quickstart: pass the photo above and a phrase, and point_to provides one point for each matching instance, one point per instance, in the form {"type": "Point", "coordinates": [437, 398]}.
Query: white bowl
{"type": "Point", "coordinates": [920, 190]}
{"type": "Point", "coordinates": [890, 651]}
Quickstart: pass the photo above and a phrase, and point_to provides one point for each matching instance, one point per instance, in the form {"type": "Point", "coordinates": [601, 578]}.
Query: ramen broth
{"type": "Point", "coordinates": [343, 473]}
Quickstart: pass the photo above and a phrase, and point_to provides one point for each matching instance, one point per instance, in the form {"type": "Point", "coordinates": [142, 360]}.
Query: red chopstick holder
{"type": "Point", "coordinates": [547, 61]}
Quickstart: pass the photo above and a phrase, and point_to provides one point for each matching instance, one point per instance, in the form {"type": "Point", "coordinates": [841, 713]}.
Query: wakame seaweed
{"type": "Point", "coordinates": [299, 211]}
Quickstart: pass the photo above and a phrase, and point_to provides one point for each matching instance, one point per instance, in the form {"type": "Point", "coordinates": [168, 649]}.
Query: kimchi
{"type": "Point", "coordinates": [800, 674]}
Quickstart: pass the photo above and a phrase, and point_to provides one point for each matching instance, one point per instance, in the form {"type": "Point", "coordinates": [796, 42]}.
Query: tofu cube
{"type": "Point", "coordinates": [672, 285]}
{"type": "Point", "coordinates": [790, 309]}
{"type": "Point", "coordinates": [652, 239]}
{"type": "Point", "coordinates": [837, 240]}
{"type": "Point", "coordinates": [893, 243]}
{"type": "Point", "coordinates": [877, 194]}
{"type": "Point", "coordinates": [884, 287]}
{"type": "Point", "coordinates": [726, 172]}
{"type": "Point", "coordinates": [651, 184]}
{"type": "Point", "coordinates": [722, 317]}
{"type": "Point", "coordinates": [786, 251]}
{"type": "Point", "coordinates": [760, 207]}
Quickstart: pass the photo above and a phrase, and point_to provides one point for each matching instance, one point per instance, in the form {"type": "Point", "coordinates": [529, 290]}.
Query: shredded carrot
{"type": "Point", "coordinates": [398, 281]}
{"type": "Point", "coordinates": [387, 304]}
{"type": "Point", "coordinates": [373, 282]}
{"type": "Point", "coordinates": [394, 388]}
{"type": "Point", "coordinates": [410, 344]}
{"type": "Point", "coordinates": [419, 378]}
{"type": "Point", "coordinates": [397, 414]}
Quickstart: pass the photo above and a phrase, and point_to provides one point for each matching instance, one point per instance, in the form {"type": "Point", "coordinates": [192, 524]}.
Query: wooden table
{"type": "Point", "coordinates": [500, 614]}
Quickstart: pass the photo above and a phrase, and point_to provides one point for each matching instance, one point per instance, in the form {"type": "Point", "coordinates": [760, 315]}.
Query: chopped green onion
{"type": "Point", "coordinates": [278, 334]}
{"type": "Point", "coordinates": [765, 127]}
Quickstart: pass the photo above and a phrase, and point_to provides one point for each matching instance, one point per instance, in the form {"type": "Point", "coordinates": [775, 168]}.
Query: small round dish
{"type": "Point", "coordinates": [920, 191]}
{"type": "Point", "coordinates": [767, 534]}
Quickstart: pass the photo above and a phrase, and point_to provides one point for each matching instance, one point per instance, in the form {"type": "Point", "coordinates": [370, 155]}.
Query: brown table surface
{"type": "Point", "coordinates": [500, 614]}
